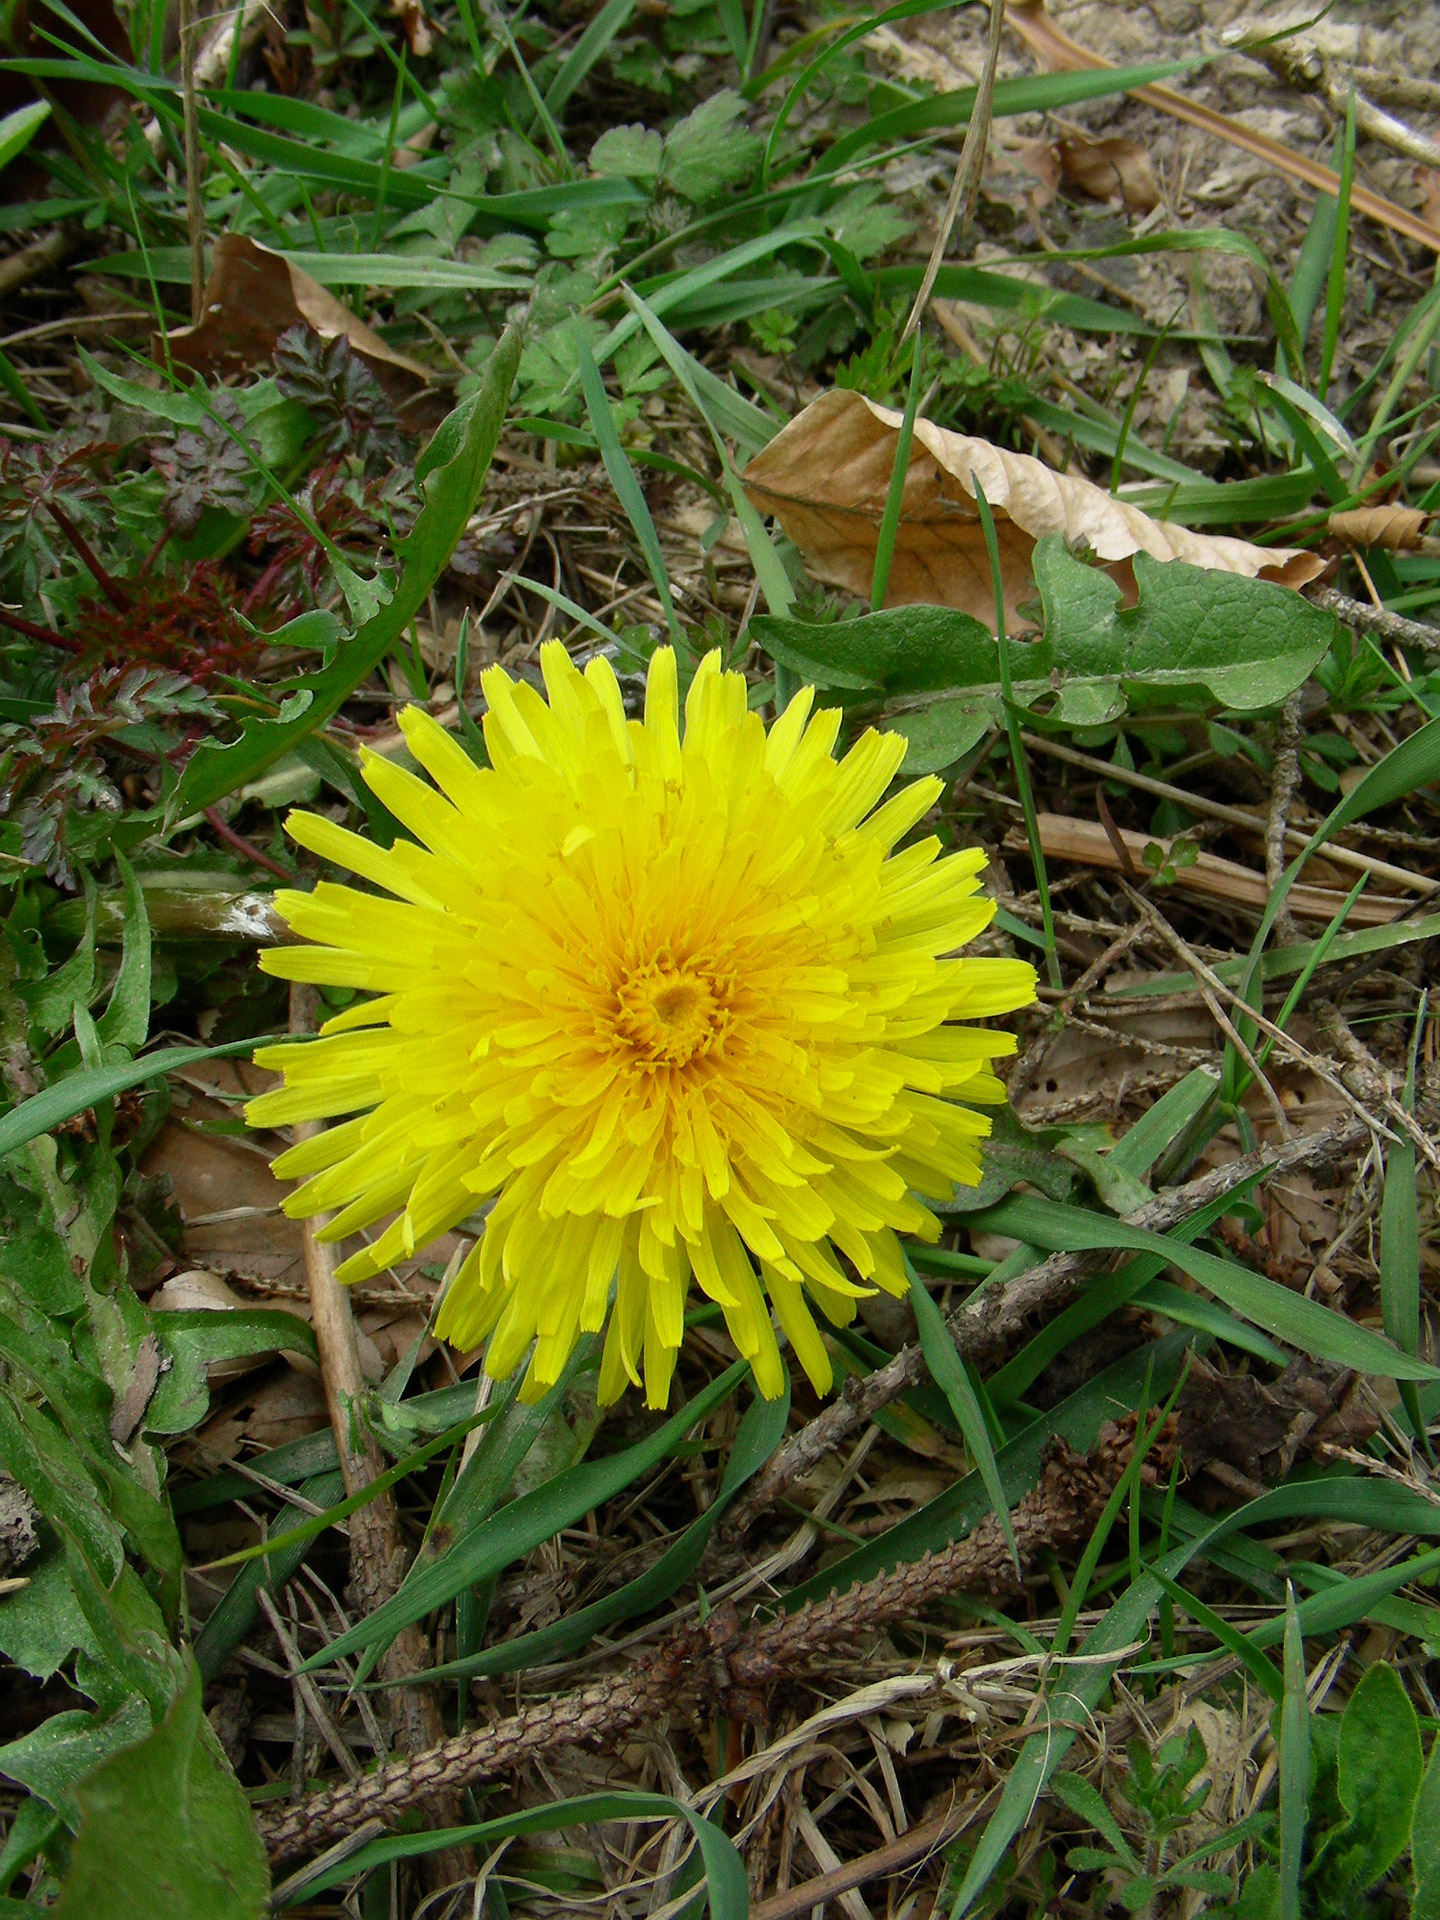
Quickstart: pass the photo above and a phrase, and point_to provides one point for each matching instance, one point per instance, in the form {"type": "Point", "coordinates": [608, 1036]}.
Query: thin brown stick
{"type": "Point", "coordinates": [245, 848]}
{"type": "Point", "coordinates": [378, 1552]}
{"type": "Point", "coordinates": [968, 169]}
{"type": "Point", "coordinates": [30, 262]}
{"type": "Point", "coordinates": [1206, 982]}
{"type": "Point", "coordinates": [1087, 843]}
{"type": "Point", "coordinates": [1304, 65]}
{"type": "Point", "coordinates": [903, 1851]}
{"type": "Point", "coordinates": [720, 1662]}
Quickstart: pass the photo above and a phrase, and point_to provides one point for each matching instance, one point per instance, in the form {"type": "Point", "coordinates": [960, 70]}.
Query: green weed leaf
{"type": "Point", "coordinates": [1205, 638]}
{"type": "Point", "coordinates": [1380, 1766]}
{"type": "Point", "coordinates": [166, 1829]}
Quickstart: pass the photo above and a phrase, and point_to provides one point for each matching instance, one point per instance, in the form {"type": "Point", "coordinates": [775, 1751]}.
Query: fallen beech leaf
{"type": "Point", "coordinates": [1401, 529]}
{"type": "Point", "coordinates": [1055, 52]}
{"type": "Point", "coordinates": [253, 294]}
{"type": "Point", "coordinates": [1111, 169]}
{"type": "Point", "coordinates": [826, 475]}
{"type": "Point", "coordinates": [1031, 166]}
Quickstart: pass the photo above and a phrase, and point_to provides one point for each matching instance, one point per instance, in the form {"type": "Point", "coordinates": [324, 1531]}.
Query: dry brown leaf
{"type": "Point", "coordinates": [1401, 529]}
{"type": "Point", "coordinates": [253, 294]}
{"type": "Point", "coordinates": [1114, 169]}
{"type": "Point", "coordinates": [286, 1407]}
{"type": "Point", "coordinates": [411, 15]}
{"type": "Point", "coordinates": [826, 475]}
{"type": "Point", "coordinates": [1055, 52]}
{"type": "Point", "coordinates": [224, 1189]}
{"type": "Point", "coordinates": [1427, 179]}
{"type": "Point", "coordinates": [1027, 171]}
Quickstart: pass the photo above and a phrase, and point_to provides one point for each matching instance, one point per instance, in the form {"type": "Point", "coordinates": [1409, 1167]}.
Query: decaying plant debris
{"type": "Point", "coordinates": [605, 325]}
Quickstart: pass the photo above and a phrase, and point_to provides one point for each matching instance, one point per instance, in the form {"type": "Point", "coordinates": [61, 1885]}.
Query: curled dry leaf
{"type": "Point", "coordinates": [1401, 529]}
{"type": "Point", "coordinates": [826, 475]}
{"type": "Point", "coordinates": [253, 294]}
{"type": "Point", "coordinates": [418, 35]}
{"type": "Point", "coordinates": [1114, 169]}
{"type": "Point", "coordinates": [1023, 170]}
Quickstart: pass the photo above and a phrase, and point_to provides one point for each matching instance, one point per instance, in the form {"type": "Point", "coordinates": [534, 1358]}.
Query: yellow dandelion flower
{"type": "Point", "coordinates": [670, 1003]}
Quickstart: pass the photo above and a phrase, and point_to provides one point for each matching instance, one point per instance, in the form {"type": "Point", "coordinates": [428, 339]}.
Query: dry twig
{"type": "Point", "coordinates": [1390, 626]}
{"type": "Point", "coordinates": [1284, 783]}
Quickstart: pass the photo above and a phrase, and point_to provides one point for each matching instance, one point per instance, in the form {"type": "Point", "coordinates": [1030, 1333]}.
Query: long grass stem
{"type": "Point", "coordinates": [1017, 743]}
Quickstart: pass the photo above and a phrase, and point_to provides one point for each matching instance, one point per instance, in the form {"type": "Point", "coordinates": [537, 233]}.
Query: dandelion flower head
{"type": "Point", "coordinates": [667, 1001]}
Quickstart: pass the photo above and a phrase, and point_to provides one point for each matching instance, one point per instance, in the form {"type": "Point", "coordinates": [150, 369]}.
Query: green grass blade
{"type": "Point", "coordinates": [317, 1523]}
{"type": "Point", "coordinates": [1105, 1296]}
{"type": "Point", "coordinates": [19, 128]}
{"type": "Point", "coordinates": [1262, 1671]}
{"type": "Point", "coordinates": [1013, 731]}
{"type": "Point", "coordinates": [1034, 93]}
{"type": "Point", "coordinates": [1294, 1763]}
{"type": "Point", "coordinates": [1125, 1491]}
{"type": "Point", "coordinates": [1300, 1323]}
{"type": "Point", "coordinates": [732, 18]}
{"type": "Point", "coordinates": [769, 571]}
{"type": "Point", "coordinates": [1339, 255]}
{"type": "Point", "coordinates": [235, 1611]}
{"type": "Point", "coordinates": [1400, 1245]}
{"type": "Point", "coordinates": [622, 479]}
{"type": "Point", "coordinates": [1302, 958]}
{"type": "Point", "coordinates": [948, 1371]}
{"type": "Point", "coordinates": [858, 31]}
{"type": "Point", "coordinates": [1400, 1264]}
{"type": "Point", "coordinates": [80, 1091]}
{"type": "Point", "coordinates": [895, 492]}
{"type": "Point", "coordinates": [727, 1891]}
{"type": "Point", "coordinates": [611, 20]}
{"type": "Point", "coordinates": [953, 1513]}
{"type": "Point", "coordinates": [760, 1433]}
{"type": "Point", "coordinates": [1314, 263]}
{"type": "Point", "coordinates": [1156, 1128]}
{"type": "Point", "coordinates": [672, 291]}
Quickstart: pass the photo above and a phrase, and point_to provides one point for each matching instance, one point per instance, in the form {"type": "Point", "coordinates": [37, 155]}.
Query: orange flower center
{"type": "Point", "coordinates": [667, 1013]}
